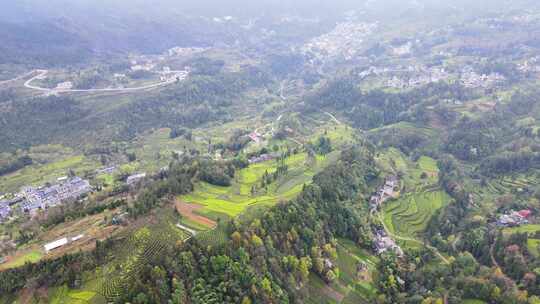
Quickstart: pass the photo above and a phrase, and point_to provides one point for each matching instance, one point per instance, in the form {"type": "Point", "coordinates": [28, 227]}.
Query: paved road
{"type": "Point", "coordinates": [43, 73]}
{"type": "Point", "coordinates": [333, 117]}
{"type": "Point", "coordinates": [281, 89]}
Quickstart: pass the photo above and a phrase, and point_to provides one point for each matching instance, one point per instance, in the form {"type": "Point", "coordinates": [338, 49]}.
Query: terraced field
{"type": "Point", "coordinates": [233, 200]}
{"type": "Point", "coordinates": [214, 237]}
{"type": "Point", "coordinates": [393, 161]}
{"type": "Point", "coordinates": [139, 249]}
{"type": "Point", "coordinates": [508, 184]}
{"type": "Point", "coordinates": [409, 215]}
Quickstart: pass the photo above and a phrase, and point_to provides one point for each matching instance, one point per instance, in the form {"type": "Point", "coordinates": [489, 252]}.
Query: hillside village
{"type": "Point", "coordinates": [30, 199]}
{"type": "Point", "coordinates": [382, 241]}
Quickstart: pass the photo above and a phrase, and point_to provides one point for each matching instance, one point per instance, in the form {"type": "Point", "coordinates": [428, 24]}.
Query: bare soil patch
{"type": "Point", "coordinates": [188, 210]}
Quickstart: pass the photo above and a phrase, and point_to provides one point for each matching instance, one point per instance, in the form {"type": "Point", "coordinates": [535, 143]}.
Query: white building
{"type": "Point", "coordinates": [76, 238]}
{"type": "Point", "coordinates": [56, 244]}
{"type": "Point", "coordinates": [135, 178]}
{"type": "Point", "coordinates": [64, 85]}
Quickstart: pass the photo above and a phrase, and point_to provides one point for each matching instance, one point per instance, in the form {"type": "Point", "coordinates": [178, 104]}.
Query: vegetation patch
{"type": "Point", "coordinates": [247, 189]}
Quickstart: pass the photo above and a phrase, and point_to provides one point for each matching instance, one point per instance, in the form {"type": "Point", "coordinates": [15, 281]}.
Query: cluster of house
{"type": "Point", "coordinates": [67, 85]}
{"type": "Point", "coordinates": [530, 65]}
{"type": "Point", "coordinates": [255, 137]}
{"type": "Point", "coordinates": [61, 242]}
{"type": "Point", "coordinates": [402, 50]}
{"type": "Point", "coordinates": [387, 191]}
{"type": "Point", "coordinates": [344, 40]}
{"type": "Point", "coordinates": [49, 196]}
{"type": "Point", "coordinates": [421, 75]}
{"type": "Point", "coordinates": [261, 158]}
{"type": "Point", "coordinates": [384, 243]}
{"type": "Point", "coordinates": [7, 204]}
{"type": "Point", "coordinates": [5, 211]}
{"type": "Point", "coordinates": [136, 178]}
{"type": "Point", "coordinates": [429, 76]}
{"type": "Point", "coordinates": [107, 170]}
{"type": "Point", "coordinates": [514, 218]}
{"type": "Point", "coordinates": [180, 51]}
{"type": "Point", "coordinates": [471, 79]}
{"type": "Point", "coordinates": [168, 75]}
{"type": "Point", "coordinates": [147, 66]}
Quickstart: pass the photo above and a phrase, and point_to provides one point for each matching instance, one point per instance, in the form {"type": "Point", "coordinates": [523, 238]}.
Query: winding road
{"type": "Point", "coordinates": [333, 117]}
{"type": "Point", "coordinates": [17, 78]}
{"type": "Point", "coordinates": [43, 73]}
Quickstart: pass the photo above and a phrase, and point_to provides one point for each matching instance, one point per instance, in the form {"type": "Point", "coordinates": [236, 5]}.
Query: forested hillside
{"type": "Point", "coordinates": [308, 152]}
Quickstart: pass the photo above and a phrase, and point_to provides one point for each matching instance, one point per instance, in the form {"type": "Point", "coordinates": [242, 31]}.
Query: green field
{"type": "Point", "coordinates": [64, 295]}
{"type": "Point", "coordinates": [233, 200]}
{"type": "Point", "coordinates": [409, 215]}
{"type": "Point", "coordinates": [532, 246]}
{"type": "Point", "coordinates": [30, 257]}
{"type": "Point", "coordinates": [393, 161]}
{"type": "Point", "coordinates": [529, 228]}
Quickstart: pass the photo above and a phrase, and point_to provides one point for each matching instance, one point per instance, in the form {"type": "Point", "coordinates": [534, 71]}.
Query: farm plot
{"type": "Point", "coordinates": [246, 190]}
{"type": "Point", "coordinates": [415, 175]}
{"type": "Point", "coordinates": [508, 184]}
{"type": "Point", "coordinates": [531, 229]}
{"type": "Point", "coordinates": [139, 249]}
{"type": "Point", "coordinates": [409, 215]}
{"type": "Point", "coordinates": [191, 218]}
{"type": "Point", "coordinates": [63, 295]}
{"type": "Point", "coordinates": [215, 237]}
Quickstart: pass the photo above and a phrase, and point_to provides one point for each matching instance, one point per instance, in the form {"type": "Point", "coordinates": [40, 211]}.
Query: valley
{"type": "Point", "coordinates": [359, 155]}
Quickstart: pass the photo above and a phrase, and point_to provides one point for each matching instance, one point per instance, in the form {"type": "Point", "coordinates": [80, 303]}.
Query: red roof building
{"type": "Point", "coordinates": [524, 213]}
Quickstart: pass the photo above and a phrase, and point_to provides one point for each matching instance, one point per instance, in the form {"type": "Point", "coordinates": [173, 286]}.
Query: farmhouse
{"type": "Point", "coordinates": [384, 243]}
{"type": "Point", "coordinates": [260, 159]}
{"type": "Point", "coordinates": [64, 85]}
{"type": "Point", "coordinates": [56, 244]}
{"type": "Point", "coordinates": [386, 191]}
{"type": "Point", "coordinates": [514, 218]}
{"type": "Point", "coordinates": [108, 170]}
{"type": "Point", "coordinates": [256, 137]}
{"type": "Point", "coordinates": [133, 179]}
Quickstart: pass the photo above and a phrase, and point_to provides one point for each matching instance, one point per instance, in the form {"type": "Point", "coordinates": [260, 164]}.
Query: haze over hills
{"type": "Point", "coordinates": [107, 27]}
{"type": "Point", "coordinates": [311, 151]}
